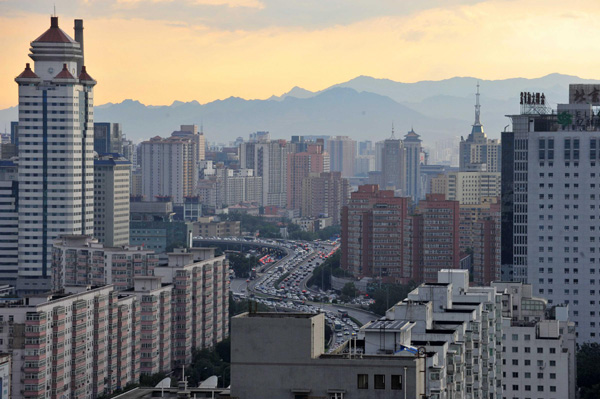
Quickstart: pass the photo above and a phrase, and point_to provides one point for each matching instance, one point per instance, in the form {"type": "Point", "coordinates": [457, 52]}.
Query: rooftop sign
{"type": "Point", "coordinates": [584, 94]}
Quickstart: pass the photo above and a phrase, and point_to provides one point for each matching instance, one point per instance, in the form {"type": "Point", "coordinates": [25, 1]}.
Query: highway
{"type": "Point", "coordinates": [282, 285]}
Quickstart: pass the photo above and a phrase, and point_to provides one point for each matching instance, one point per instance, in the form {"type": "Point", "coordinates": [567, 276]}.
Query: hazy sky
{"type": "Point", "coordinates": [158, 51]}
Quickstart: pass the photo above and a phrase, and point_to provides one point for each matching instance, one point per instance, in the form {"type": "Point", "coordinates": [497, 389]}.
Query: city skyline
{"type": "Point", "coordinates": [222, 37]}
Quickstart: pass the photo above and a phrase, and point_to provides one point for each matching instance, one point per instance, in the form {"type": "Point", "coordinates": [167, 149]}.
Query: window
{"type": "Point", "coordinates": [380, 380]}
{"type": "Point", "coordinates": [527, 375]}
{"type": "Point", "coordinates": [363, 381]}
{"type": "Point", "coordinates": [396, 381]}
{"type": "Point", "coordinates": [515, 362]}
{"type": "Point", "coordinates": [552, 388]}
{"type": "Point", "coordinates": [540, 350]}
{"type": "Point", "coordinates": [540, 388]}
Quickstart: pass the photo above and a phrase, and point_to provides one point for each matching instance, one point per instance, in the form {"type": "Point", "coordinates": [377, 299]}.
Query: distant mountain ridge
{"type": "Point", "coordinates": [362, 108]}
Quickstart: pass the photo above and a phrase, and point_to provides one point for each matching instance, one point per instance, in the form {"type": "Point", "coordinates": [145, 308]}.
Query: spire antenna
{"type": "Point", "coordinates": [54, 10]}
{"type": "Point", "coordinates": [393, 130]}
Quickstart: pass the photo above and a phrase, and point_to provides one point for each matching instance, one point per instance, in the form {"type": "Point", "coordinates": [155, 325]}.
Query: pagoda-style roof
{"type": "Point", "coordinates": [54, 34]}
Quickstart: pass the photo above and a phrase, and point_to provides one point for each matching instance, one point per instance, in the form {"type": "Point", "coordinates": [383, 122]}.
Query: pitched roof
{"type": "Point", "coordinates": [64, 74]}
{"type": "Point", "coordinates": [27, 73]}
{"type": "Point", "coordinates": [84, 75]}
{"type": "Point", "coordinates": [54, 34]}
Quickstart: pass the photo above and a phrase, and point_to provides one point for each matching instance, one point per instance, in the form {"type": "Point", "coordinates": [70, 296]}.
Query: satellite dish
{"type": "Point", "coordinates": [165, 383]}
{"type": "Point", "coordinates": [211, 382]}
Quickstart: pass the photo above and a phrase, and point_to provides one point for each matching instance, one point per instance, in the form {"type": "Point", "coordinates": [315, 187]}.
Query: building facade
{"type": "Point", "coordinates": [9, 233]}
{"type": "Point", "coordinates": [468, 188]}
{"type": "Point", "coordinates": [555, 204]}
{"type": "Point", "coordinates": [300, 165]}
{"type": "Point", "coordinates": [169, 167]}
{"type": "Point", "coordinates": [412, 157]}
{"type": "Point", "coordinates": [373, 234]}
{"type": "Point", "coordinates": [342, 152]}
{"type": "Point", "coordinates": [324, 195]}
{"type": "Point", "coordinates": [108, 138]}
{"type": "Point", "coordinates": [111, 199]}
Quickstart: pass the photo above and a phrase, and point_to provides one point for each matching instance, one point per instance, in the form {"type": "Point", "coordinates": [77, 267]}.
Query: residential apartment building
{"type": "Point", "coordinates": [84, 342]}
{"type": "Point", "coordinates": [56, 175]}
{"type": "Point", "coordinates": [67, 344]}
{"type": "Point", "coordinates": [83, 261]}
{"type": "Point", "coordinates": [480, 238]}
{"type": "Point", "coordinates": [169, 167]}
{"type": "Point", "coordinates": [373, 234]}
{"type": "Point", "coordinates": [342, 152]}
{"type": "Point", "coordinates": [5, 375]}
{"type": "Point", "coordinates": [111, 199]}
{"type": "Point", "coordinates": [269, 161]}
{"type": "Point", "coordinates": [468, 188]}
{"type": "Point", "coordinates": [477, 152]}
{"type": "Point", "coordinates": [155, 327]}
{"type": "Point", "coordinates": [538, 345]}
{"type": "Point", "coordinates": [300, 165]}
{"type": "Point", "coordinates": [191, 131]}
{"type": "Point", "coordinates": [555, 203]}
{"type": "Point", "coordinates": [324, 195]}
{"type": "Point", "coordinates": [432, 238]}
{"type": "Point", "coordinates": [200, 298]}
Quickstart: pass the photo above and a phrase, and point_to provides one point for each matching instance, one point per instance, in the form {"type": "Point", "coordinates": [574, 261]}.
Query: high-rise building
{"type": "Point", "coordinates": [342, 151]}
{"type": "Point", "coordinates": [477, 152]}
{"type": "Point", "coordinates": [299, 166]}
{"type": "Point", "coordinates": [468, 188]}
{"type": "Point", "coordinates": [412, 159]}
{"type": "Point", "coordinates": [480, 238]}
{"type": "Point", "coordinates": [269, 161]}
{"type": "Point", "coordinates": [56, 154]}
{"type": "Point", "coordinates": [373, 234]}
{"type": "Point", "coordinates": [9, 233]}
{"type": "Point", "coordinates": [197, 136]}
{"type": "Point", "coordinates": [111, 200]}
{"type": "Point", "coordinates": [433, 242]}
{"type": "Point", "coordinates": [555, 202]}
{"type": "Point", "coordinates": [324, 195]}
{"type": "Point", "coordinates": [539, 345]}
{"type": "Point", "coordinates": [108, 138]}
{"type": "Point", "coordinates": [392, 164]}
{"type": "Point", "coordinates": [169, 168]}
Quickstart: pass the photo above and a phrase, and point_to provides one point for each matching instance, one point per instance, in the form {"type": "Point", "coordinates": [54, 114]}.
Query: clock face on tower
{"type": "Point", "coordinates": [50, 70]}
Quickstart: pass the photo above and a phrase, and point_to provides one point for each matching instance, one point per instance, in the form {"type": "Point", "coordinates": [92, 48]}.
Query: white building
{"type": "Point", "coordinates": [111, 200]}
{"type": "Point", "coordinates": [56, 151]}
{"type": "Point", "coordinates": [269, 161]}
{"type": "Point", "coordinates": [556, 204]}
{"type": "Point", "coordinates": [169, 168]}
{"type": "Point", "coordinates": [538, 352]}
{"type": "Point", "coordinates": [468, 188]}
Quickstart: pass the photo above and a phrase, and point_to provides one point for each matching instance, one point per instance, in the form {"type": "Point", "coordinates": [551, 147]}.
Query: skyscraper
{"type": "Point", "coordinates": [392, 163]}
{"type": "Point", "coordinates": [324, 194]}
{"type": "Point", "coordinates": [477, 152]}
{"type": "Point", "coordinates": [56, 151]}
{"type": "Point", "coordinates": [299, 166]}
{"type": "Point", "coordinates": [269, 161]}
{"type": "Point", "coordinates": [108, 138]}
{"type": "Point", "coordinates": [342, 151]}
{"type": "Point", "coordinates": [412, 157]}
{"type": "Point", "coordinates": [555, 203]}
{"type": "Point", "coordinates": [169, 168]}
{"type": "Point", "coordinates": [111, 201]}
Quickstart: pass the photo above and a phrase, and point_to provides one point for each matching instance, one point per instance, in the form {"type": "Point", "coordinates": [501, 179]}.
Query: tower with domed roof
{"type": "Point", "coordinates": [56, 151]}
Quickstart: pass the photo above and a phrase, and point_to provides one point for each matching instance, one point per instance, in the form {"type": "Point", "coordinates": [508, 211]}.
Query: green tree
{"type": "Point", "coordinates": [349, 290]}
{"type": "Point", "coordinates": [588, 371]}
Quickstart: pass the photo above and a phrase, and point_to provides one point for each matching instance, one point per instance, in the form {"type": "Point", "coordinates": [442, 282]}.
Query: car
{"type": "Point", "coordinates": [339, 335]}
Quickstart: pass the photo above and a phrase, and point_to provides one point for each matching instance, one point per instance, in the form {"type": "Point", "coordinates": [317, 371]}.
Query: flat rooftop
{"type": "Point", "coordinates": [273, 315]}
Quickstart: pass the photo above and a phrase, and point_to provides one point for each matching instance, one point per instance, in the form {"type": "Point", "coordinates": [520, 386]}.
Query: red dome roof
{"type": "Point", "coordinates": [27, 73]}
{"type": "Point", "coordinates": [64, 74]}
{"type": "Point", "coordinates": [84, 75]}
{"type": "Point", "coordinates": [54, 34]}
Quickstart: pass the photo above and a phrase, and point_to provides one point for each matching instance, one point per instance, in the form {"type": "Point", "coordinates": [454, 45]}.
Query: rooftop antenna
{"type": "Point", "coordinates": [393, 137]}
{"type": "Point", "coordinates": [54, 10]}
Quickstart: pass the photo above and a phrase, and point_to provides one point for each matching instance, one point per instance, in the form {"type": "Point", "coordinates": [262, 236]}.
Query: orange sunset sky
{"type": "Point", "coordinates": [158, 51]}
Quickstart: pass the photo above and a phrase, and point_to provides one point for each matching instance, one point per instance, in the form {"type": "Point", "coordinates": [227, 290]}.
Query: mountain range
{"type": "Point", "coordinates": [362, 108]}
